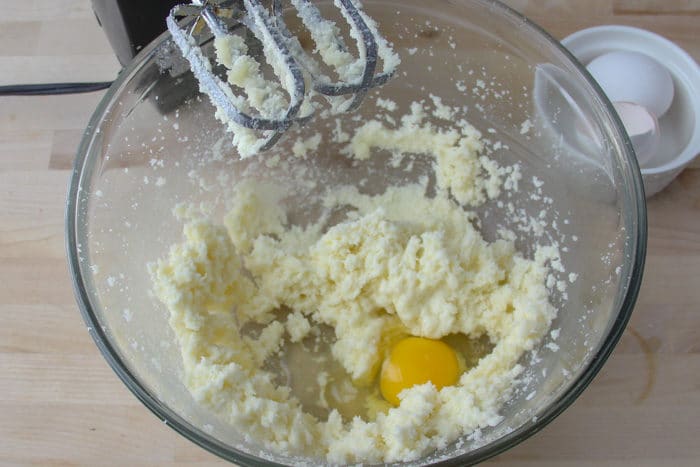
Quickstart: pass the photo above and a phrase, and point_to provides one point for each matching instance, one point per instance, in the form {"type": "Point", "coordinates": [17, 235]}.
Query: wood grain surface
{"type": "Point", "coordinates": [60, 403]}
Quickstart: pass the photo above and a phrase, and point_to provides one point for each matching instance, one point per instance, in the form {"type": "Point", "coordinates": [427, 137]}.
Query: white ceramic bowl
{"type": "Point", "coordinates": [680, 126]}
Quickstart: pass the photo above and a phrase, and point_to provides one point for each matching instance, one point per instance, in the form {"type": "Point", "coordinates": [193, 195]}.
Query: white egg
{"type": "Point", "coordinates": [634, 77]}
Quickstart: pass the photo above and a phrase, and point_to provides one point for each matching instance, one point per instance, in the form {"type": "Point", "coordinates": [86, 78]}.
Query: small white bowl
{"type": "Point", "coordinates": [680, 126]}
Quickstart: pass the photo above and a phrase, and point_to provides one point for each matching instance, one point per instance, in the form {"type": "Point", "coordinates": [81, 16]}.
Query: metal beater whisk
{"type": "Point", "coordinates": [249, 101]}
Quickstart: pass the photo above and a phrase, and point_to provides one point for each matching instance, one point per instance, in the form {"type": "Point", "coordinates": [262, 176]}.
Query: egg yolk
{"type": "Point", "coordinates": [417, 360]}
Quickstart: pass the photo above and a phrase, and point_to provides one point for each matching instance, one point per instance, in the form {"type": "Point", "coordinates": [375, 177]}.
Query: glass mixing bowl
{"type": "Point", "coordinates": [153, 142]}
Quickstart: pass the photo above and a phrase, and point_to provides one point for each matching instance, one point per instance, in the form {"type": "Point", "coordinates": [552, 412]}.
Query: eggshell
{"type": "Point", "coordinates": [634, 77]}
{"type": "Point", "coordinates": [643, 130]}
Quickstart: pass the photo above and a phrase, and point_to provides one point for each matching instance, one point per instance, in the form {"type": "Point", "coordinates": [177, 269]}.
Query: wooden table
{"type": "Point", "coordinates": [61, 404]}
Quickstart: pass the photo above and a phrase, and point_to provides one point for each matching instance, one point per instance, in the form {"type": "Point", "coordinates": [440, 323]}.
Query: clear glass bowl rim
{"type": "Point", "coordinates": [638, 243]}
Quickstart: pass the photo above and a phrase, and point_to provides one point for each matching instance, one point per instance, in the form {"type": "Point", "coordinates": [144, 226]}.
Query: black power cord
{"type": "Point", "coordinates": [52, 88]}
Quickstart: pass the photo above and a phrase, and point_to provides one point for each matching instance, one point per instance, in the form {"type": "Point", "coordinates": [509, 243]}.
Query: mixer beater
{"type": "Point", "coordinates": [259, 106]}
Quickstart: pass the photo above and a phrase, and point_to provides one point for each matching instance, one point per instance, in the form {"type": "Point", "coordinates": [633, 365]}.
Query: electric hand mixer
{"type": "Point", "coordinates": [258, 110]}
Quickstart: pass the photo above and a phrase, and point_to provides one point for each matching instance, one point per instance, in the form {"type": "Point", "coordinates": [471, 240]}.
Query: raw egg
{"type": "Point", "coordinates": [414, 361]}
